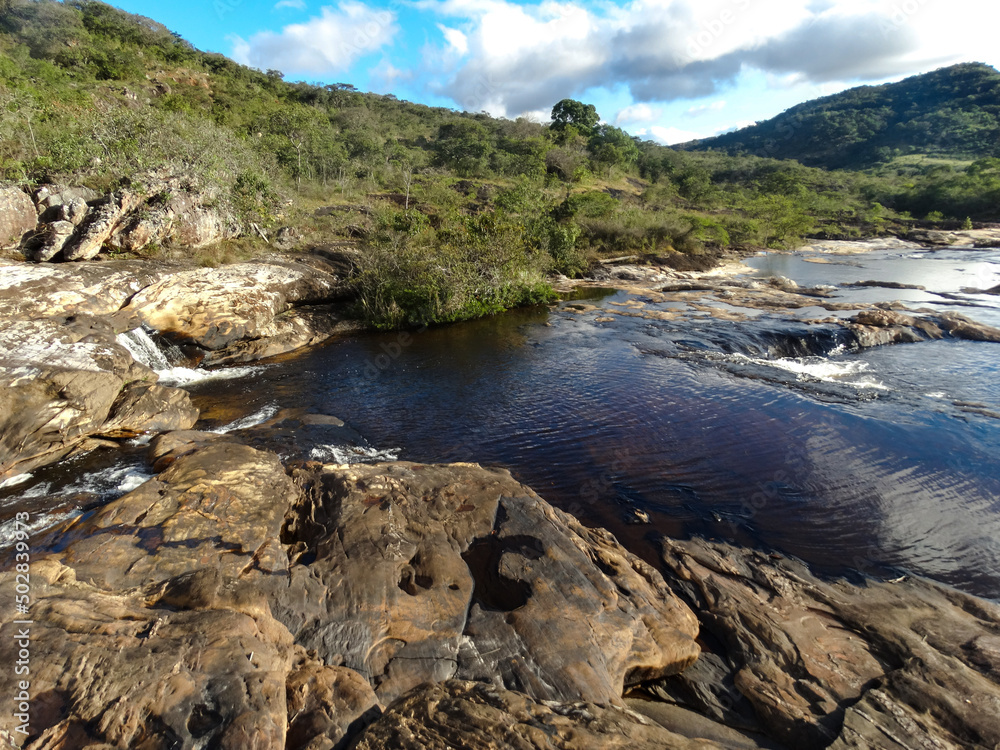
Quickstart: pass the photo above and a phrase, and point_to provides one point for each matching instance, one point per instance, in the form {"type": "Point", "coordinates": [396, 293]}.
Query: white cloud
{"type": "Point", "coordinates": [457, 41]}
{"type": "Point", "coordinates": [670, 136]}
{"type": "Point", "coordinates": [293, 4]}
{"type": "Point", "coordinates": [526, 56]}
{"type": "Point", "coordinates": [329, 43]}
{"type": "Point", "coordinates": [638, 113]}
{"type": "Point", "coordinates": [705, 108]}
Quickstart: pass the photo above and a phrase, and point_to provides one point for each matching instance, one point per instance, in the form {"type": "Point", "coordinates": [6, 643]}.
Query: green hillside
{"type": "Point", "coordinates": [451, 214]}
{"type": "Point", "coordinates": [952, 113]}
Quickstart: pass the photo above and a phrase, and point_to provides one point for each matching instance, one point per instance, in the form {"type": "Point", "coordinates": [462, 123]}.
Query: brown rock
{"type": "Point", "coordinates": [217, 307]}
{"type": "Point", "coordinates": [93, 288]}
{"type": "Point", "coordinates": [61, 378]}
{"type": "Point", "coordinates": [962, 327]}
{"type": "Point", "coordinates": [17, 216]}
{"type": "Point", "coordinates": [830, 664]}
{"type": "Point", "coordinates": [150, 408]}
{"type": "Point", "coordinates": [327, 705]}
{"type": "Point", "coordinates": [448, 537]}
{"type": "Point", "coordinates": [99, 225]}
{"type": "Point", "coordinates": [474, 716]}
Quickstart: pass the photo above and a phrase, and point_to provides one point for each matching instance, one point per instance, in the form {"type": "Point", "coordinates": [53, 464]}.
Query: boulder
{"type": "Point", "coordinates": [901, 664]}
{"type": "Point", "coordinates": [218, 307]}
{"type": "Point", "coordinates": [97, 228]}
{"type": "Point", "coordinates": [17, 216]}
{"type": "Point", "coordinates": [51, 241]}
{"type": "Point", "coordinates": [877, 327]}
{"type": "Point", "coordinates": [474, 576]}
{"type": "Point", "coordinates": [474, 716]}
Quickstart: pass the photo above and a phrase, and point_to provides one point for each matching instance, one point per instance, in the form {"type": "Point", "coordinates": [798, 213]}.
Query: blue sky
{"type": "Point", "coordinates": [669, 70]}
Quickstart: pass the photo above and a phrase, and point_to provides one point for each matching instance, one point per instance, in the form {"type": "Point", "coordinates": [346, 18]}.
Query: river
{"type": "Point", "coordinates": [648, 415]}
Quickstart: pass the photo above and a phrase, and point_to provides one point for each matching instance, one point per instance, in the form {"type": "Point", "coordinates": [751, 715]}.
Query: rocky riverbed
{"type": "Point", "coordinates": [239, 598]}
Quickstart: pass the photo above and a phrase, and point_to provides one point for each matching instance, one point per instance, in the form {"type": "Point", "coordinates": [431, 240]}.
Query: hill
{"type": "Point", "coordinates": [953, 112]}
{"type": "Point", "coordinates": [449, 215]}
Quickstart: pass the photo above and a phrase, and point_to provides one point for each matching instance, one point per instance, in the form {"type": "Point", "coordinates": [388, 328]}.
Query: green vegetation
{"type": "Point", "coordinates": [951, 113]}
{"type": "Point", "coordinates": [453, 215]}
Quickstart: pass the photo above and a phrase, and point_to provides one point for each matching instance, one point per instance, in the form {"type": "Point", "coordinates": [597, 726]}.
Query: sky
{"type": "Point", "coordinates": [666, 70]}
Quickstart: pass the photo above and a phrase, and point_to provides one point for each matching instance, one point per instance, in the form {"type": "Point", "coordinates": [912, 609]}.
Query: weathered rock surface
{"type": "Point", "coordinates": [876, 327]}
{"type": "Point", "coordinates": [96, 229]}
{"type": "Point", "coordinates": [63, 379]}
{"type": "Point", "coordinates": [218, 307]}
{"type": "Point", "coordinates": [476, 577]}
{"type": "Point", "coordinates": [474, 716]}
{"type": "Point", "coordinates": [17, 216]}
{"type": "Point", "coordinates": [885, 665]}
{"type": "Point", "coordinates": [222, 596]}
{"type": "Point", "coordinates": [29, 291]}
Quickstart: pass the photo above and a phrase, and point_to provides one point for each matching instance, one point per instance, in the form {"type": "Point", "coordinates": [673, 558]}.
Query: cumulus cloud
{"type": "Point", "coordinates": [329, 43]}
{"type": "Point", "coordinates": [638, 113]}
{"type": "Point", "coordinates": [514, 57]}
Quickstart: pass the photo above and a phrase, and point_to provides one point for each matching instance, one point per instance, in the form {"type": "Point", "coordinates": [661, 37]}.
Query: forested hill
{"type": "Point", "coordinates": [953, 112]}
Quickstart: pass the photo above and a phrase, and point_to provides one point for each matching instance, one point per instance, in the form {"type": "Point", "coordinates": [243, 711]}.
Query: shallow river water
{"type": "Point", "coordinates": [767, 431]}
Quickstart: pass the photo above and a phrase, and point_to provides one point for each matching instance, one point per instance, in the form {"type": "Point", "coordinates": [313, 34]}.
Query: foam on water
{"type": "Point", "coordinates": [821, 369]}
{"type": "Point", "coordinates": [251, 420]}
{"type": "Point", "coordinates": [14, 481]}
{"type": "Point", "coordinates": [352, 454]}
{"type": "Point", "coordinates": [116, 480]}
{"type": "Point", "coordinates": [41, 522]}
{"type": "Point", "coordinates": [145, 350]}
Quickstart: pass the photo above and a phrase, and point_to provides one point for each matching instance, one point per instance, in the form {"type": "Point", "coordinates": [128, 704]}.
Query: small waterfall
{"type": "Point", "coordinates": [163, 357]}
{"type": "Point", "coordinates": [144, 350]}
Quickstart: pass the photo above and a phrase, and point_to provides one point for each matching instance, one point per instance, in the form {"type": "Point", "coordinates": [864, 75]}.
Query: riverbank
{"type": "Point", "coordinates": [240, 593]}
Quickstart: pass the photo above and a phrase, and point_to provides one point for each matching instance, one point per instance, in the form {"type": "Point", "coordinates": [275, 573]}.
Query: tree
{"type": "Point", "coordinates": [569, 112]}
{"type": "Point", "coordinates": [612, 147]}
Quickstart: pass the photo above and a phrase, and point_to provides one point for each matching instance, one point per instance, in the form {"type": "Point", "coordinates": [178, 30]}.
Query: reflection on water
{"type": "Point", "coordinates": [614, 420]}
{"type": "Point", "coordinates": [762, 431]}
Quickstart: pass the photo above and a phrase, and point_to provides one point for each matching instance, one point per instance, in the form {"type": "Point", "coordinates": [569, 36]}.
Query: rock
{"type": "Point", "coordinates": [877, 327]}
{"type": "Point", "coordinates": [327, 705]}
{"type": "Point", "coordinates": [75, 211]}
{"type": "Point", "coordinates": [962, 327]}
{"type": "Point", "coordinates": [475, 576]}
{"type": "Point", "coordinates": [150, 408]}
{"type": "Point", "coordinates": [99, 225]}
{"type": "Point", "coordinates": [474, 716]}
{"type": "Point", "coordinates": [30, 291]}
{"type": "Point", "coordinates": [63, 379]}
{"type": "Point", "coordinates": [287, 238]}
{"type": "Point", "coordinates": [297, 328]}
{"type": "Point", "coordinates": [138, 669]}
{"type": "Point", "coordinates": [827, 663]}
{"type": "Point", "coordinates": [50, 200]}
{"type": "Point", "coordinates": [52, 240]}
{"type": "Point", "coordinates": [17, 216]}
{"type": "Point", "coordinates": [217, 307]}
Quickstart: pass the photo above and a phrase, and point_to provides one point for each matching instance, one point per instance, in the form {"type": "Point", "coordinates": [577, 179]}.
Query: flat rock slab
{"type": "Point", "coordinates": [225, 597]}
{"type": "Point", "coordinates": [30, 291]}
{"type": "Point", "coordinates": [217, 307]}
{"type": "Point", "coordinates": [910, 664]}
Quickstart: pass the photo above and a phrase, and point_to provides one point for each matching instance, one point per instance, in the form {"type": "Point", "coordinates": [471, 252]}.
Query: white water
{"type": "Point", "coordinates": [352, 454]}
{"type": "Point", "coordinates": [144, 350]}
{"type": "Point", "coordinates": [41, 522]}
{"type": "Point", "coordinates": [116, 480]}
{"type": "Point", "coordinates": [251, 420]}
{"type": "Point", "coordinates": [852, 373]}
{"type": "Point", "coordinates": [14, 481]}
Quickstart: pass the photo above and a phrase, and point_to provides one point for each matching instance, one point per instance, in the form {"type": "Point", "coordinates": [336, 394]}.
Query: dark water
{"type": "Point", "coordinates": [765, 431]}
